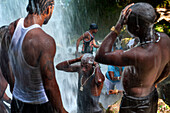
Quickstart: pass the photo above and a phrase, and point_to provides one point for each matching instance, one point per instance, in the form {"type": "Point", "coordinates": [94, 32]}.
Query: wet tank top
{"type": "Point", "coordinates": [87, 103]}
{"type": "Point", "coordinates": [28, 85]}
{"type": "Point", "coordinates": [88, 45]}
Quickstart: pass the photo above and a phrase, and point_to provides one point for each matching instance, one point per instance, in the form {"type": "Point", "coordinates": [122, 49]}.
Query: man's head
{"type": "Point", "coordinates": [141, 18]}
{"type": "Point", "coordinates": [41, 7]}
{"type": "Point", "coordinates": [87, 63]}
{"type": "Point", "coordinates": [93, 27]}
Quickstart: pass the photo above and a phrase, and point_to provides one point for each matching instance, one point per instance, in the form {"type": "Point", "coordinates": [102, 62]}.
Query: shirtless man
{"type": "Point", "coordinates": [90, 82]}
{"type": "Point", "coordinates": [148, 63]}
{"type": "Point", "coordinates": [88, 40]}
{"type": "Point", "coordinates": [30, 52]}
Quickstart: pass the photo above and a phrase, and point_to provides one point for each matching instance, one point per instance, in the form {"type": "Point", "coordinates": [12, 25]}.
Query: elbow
{"type": "Point", "coordinates": [99, 58]}
{"type": "Point", "coordinates": [57, 67]}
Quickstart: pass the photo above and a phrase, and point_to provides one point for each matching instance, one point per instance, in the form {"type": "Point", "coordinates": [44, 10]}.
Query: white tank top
{"type": "Point", "coordinates": [28, 85]}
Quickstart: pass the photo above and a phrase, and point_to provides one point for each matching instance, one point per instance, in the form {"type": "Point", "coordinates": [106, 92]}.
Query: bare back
{"type": "Point", "coordinates": [151, 66]}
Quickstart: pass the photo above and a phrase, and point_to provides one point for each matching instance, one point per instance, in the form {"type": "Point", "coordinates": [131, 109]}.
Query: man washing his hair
{"type": "Point", "coordinates": [90, 82]}
{"type": "Point", "coordinates": [148, 63]}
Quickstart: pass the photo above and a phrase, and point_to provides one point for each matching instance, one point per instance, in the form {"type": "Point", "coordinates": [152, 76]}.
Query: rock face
{"type": "Point", "coordinates": [163, 90]}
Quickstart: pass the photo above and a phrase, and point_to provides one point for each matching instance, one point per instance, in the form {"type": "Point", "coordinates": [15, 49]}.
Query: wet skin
{"type": "Point", "coordinates": [3, 85]}
{"type": "Point", "coordinates": [147, 65]}
{"type": "Point", "coordinates": [85, 69]}
{"type": "Point", "coordinates": [86, 36]}
{"type": "Point", "coordinates": [39, 50]}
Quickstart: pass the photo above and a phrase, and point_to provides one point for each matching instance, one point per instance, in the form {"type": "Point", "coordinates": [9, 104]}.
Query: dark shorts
{"type": "Point", "coordinates": [21, 107]}
{"type": "Point", "coordinates": [147, 104]}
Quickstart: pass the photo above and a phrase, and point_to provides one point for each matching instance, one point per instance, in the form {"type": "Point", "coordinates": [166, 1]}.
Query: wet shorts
{"type": "Point", "coordinates": [147, 104]}
{"type": "Point", "coordinates": [21, 107]}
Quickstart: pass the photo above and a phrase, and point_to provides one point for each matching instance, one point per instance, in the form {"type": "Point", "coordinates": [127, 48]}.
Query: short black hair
{"type": "Point", "coordinates": [38, 6]}
{"type": "Point", "coordinates": [143, 14]}
{"type": "Point", "coordinates": [93, 26]}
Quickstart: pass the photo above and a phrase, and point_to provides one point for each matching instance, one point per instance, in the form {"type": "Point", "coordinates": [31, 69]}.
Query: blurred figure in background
{"type": "Point", "coordinates": [88, 40]}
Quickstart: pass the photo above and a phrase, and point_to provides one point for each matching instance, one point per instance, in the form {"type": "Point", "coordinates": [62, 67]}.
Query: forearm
{"type": "Point", "coordinates": [67, 63]}
{"type": "Point", "coordinates": [107, 44]}
{"type": "Point", "coordinates": [54, 96]}
{"type": "Point", "coordinates": [77, 44]}
{"type": "Point", "coordinates": [115, 78]}
{"type": "Point", "coordinates": [96, 46]}
{"type": "Point", "coordinates": [99, 77]}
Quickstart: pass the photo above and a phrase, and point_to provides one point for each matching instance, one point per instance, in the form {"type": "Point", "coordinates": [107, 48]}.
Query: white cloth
{"type": "Point", "coordinates": [130, 43]}
{"type": "Point", "coordinates": [28, 85]}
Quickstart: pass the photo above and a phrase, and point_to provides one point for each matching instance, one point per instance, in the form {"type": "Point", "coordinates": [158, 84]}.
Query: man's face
{"type": "Point", "coordinates": [86, 68]}
{"type": "Point", "coordinates": [95, 30]}
{"type": "Point", "coordinates": [48, 16]}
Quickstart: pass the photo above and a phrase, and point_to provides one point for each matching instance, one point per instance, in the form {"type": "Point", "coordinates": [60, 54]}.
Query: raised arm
{"type": "Point", "coordinates": [66, 65]}
{"type": "Point", "coordinates": [48, 74]}
{"type": "Point", "coordinates": [104, 54]}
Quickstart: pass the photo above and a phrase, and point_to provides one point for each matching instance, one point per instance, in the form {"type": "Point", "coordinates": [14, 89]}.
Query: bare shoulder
{"type": "Point", "coordinates": [163, 35]}
{"type": "Point", "coordinates": [165, 38]}
{"type": "Point", "coordinates": [86, 33]}
{"type": "Point", "coordinates": [43, 40]}
{"type": "Point", "coordinates": [43, 37]}
{"type": "Point", "coordinates": [165, 41]}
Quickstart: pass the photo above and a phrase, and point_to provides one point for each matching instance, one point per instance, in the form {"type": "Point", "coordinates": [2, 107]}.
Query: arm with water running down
{"type": "Point", "coordinates": [99, 77]}
{"type": "Point", "coordinates": [66, 65]}
{"type": "Point", "coordinates": [104, 54]}
{"type": "Point", "coordinates": [48, 49]}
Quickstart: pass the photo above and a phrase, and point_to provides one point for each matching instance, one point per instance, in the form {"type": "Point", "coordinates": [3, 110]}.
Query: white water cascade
{"type": "Point", "coordinates": [59, 28]}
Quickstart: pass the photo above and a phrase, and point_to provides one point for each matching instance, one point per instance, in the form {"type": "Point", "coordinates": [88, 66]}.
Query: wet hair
{"type": "Point", "coordinates": [87, 58]}
{"type": "Point", "coordinates": [143, 15]}
{"type": "Point", "coordinates": [38, 6]}
{"type": "Point", "coordinates": [93, 26]}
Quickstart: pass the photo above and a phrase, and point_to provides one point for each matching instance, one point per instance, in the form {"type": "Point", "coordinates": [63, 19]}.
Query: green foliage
{"type": "Point", "coordinates": [163, 26]}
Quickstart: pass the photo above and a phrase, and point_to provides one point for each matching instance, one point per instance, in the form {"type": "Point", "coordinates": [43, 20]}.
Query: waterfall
{"type": "Point", "coordinates": [68, 22]}
{"type": "Point", "coordinates": [58, 27]}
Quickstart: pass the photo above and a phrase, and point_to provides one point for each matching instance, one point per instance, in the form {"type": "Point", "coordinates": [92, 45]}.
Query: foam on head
{"type": "Point", "coordinates": [87, 58]}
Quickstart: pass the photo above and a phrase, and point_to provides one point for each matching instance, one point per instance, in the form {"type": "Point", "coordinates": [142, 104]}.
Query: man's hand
{"type": "Point", "coordinates": [124, 15]}
{"type": "Point", "coordinates": [113, 92]}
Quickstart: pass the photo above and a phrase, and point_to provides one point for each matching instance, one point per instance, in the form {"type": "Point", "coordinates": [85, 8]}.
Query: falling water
{"type": "Point", "coordinates": [58, 28]}
{"type": "Point", "coordinates": [61, 28]}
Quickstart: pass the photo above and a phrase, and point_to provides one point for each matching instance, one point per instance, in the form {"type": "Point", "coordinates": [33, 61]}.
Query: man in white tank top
{"type": "Point", "coordinates": [30, 53]}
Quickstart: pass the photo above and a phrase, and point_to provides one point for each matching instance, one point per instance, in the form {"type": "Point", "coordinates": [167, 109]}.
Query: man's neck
{"type": "Point", "coordinates": [32, 19]}
{"type": "Point", "coordinates": [86, 75]}
{"type": "Point", "coordinates": [147, 36]}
